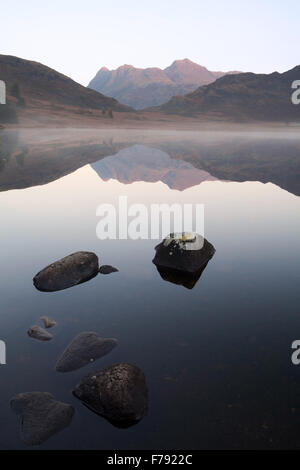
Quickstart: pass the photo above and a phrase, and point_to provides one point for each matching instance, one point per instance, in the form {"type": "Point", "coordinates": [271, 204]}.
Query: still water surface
{"type": "Point", "coordinates": [217, 358]}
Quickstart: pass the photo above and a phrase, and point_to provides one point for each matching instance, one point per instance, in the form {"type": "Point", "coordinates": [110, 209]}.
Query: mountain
{"type": "Point", "coordinates": [142, 88]}
{"type": "Point", "coordinates": [33, 85]}
{"type": "Point", "coordinates": [143, 163]}
{"type": "Point", "coordinates": [242, 97]}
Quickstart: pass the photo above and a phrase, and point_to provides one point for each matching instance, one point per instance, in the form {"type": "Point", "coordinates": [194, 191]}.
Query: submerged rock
{"type": "Point", "coordinates": [37, 332]}
{"type": "Point", "coordinates": [85, 348]}
{"type": "Point", "coordinates": [118, 393]}
{"type": "Point", "coordinates": [67, 272]}
{"type": "Point", "coordinates": [188, 253]}
{"type": "Point", "coordinates": [107, 269]}
{"type": "Point", "coordinates": [48, 322]}
{"type": "Point", "coordinates": [41, 416]}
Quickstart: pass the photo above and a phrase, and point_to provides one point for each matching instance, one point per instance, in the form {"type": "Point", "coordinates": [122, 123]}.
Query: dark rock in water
{"type": "Point", "coordinates": [85, 348]}
{"type": "Point", "coordinates": [37, 332]}
{"type": "Point", "coordinates": [188, 253]}
{"type": "Point", "coordinates": [67, 272]}
{"type": "Point", "coordinates": [118, 393]}
{"type": "Point", "coordinates": [181, 278]}
{"type": "Point", "coordinates": [48, 322]}
{"type": "Point", "coordinates": [107, 269]}
{"type": "Point", "coordinates": [41, 416]}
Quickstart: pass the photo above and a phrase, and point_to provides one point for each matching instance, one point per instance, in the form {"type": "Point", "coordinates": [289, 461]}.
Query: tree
{"type": "Point", "coordinates": [15, 92]}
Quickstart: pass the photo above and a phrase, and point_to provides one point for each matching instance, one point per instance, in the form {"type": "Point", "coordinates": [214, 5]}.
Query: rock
{"type": "Point", "coordinates": [118, 393]}
{"type": "Point", "coordinates": [85, 348]}
{"type": "Point", "coordinates": [67, 272]}
{"type": "Point", "coordinates": [41, 416]}
{"type": "Point", "coordinates": [48, 322]}
{"type": "Point", "coordinates": [107, 269]}
{"type": "Point", "coordinates": [37, 332]}
{"type": "Point", "coordinates": [183, 252]}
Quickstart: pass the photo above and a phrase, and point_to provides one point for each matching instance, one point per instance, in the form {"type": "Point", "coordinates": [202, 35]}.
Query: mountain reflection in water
{"type": "Point", "coordinates": [179, 159]}
{"type": "Point", "coordinates": [142, 163]}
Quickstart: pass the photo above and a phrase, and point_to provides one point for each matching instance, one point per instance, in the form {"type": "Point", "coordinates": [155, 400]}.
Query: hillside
{"type": "Point", "coordinates": [33, 85]}
{"type": "Point", "coordinates": [241, 97]}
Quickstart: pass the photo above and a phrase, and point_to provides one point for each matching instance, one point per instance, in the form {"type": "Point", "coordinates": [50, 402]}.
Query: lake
{"type": "Point", "coordinates": [217, 356]}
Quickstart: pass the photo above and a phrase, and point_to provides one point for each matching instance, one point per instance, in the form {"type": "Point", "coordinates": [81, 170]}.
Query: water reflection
{"type": "Point", "coordinates": [30, 157]}
{"type": "Point", "coordinates": [8, 144]}
{"type": "Point", "coordinates": [181, 278]}
{"type": "Point", "coordinates": [179, 159]}
{"type": "Point", "coordinates": [142, 163]}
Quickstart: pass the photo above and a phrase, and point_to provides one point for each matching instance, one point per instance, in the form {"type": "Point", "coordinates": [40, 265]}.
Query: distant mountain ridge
{"type": "Point", "coordinates": [242, 97]}
{"type": "Point", "coordinates": [142, 88]}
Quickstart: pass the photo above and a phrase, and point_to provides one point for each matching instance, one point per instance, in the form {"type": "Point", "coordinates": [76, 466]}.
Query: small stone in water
{"type": "Point", "coordinates": [107, 269]}
{"type": "Point", "coordinates": [118, 393]}
{"type": "Point", "coordinates": [41, 416]}
{"type": "Point", "coordinates": [86, 347]}
{"type": "Point", "coordinates": [48, 322]}
{"type": "Point", "coordinates": [67, 272]}
{"type": "Point", "coordinates": [37, 332]}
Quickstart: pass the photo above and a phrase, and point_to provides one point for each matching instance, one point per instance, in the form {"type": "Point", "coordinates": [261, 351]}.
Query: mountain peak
{"type": "Point", "coordinates": [182, 61]}
{"type": "Point", "coordinates": [125, 67]}
{"type": "Point", "coordinates": [188, 72]}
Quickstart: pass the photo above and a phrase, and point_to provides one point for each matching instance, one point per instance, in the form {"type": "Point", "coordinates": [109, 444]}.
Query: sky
{"type": "Point", "coordinates": [78, 37]}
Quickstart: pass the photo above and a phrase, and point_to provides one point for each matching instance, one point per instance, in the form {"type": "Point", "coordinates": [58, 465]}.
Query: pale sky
{"type": "Point", "coordinates": [78, 37]}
